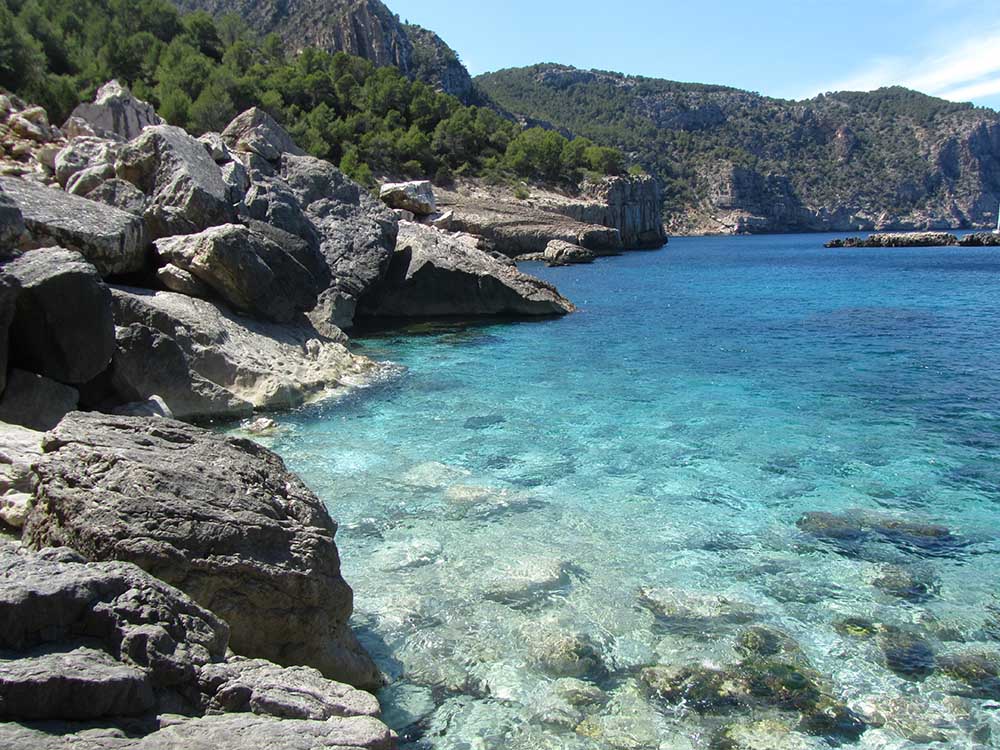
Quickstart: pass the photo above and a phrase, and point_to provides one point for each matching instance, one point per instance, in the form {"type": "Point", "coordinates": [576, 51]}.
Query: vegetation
{"type": "Point", "coordinates": [201, 72]}
{"type": "Point", "coordinates": [860, 149]}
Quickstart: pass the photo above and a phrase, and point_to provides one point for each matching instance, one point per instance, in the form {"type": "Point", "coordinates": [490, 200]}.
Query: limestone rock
{"type": "Point", "coordinates": [120, 194]}
{"type": "Point", "coordinates": [63, 325]}
{"type": "Point", "coordinates": [89, 179]}
{"type": "Point", "coordinates": [71, 683]}
{"type": "Point", "coordinates": [183, 282]}
{"type": "Point", "coordinates": [266, 365]}
{"type": "Point", "coordinates": [903, 239]}
{"type": "Point", "coordinates": [113, 240]}
{"type": "Point", "coordinates": [260, 687]}
{"type": "Point", "coordinates": [184, 185]}
{"type": "Point", "coordinates": [255, 131]}
{"type": "Point", "coordinates": [560, 253]}
{"type": "Point", "coordinates": [415, 197]}
{"type": "Point", "coordinates": [81, 154]}
{"type": "Point", "coordinates": [246, 269]}
{"type": "Point", "coordinates": [9, 289]}
{"type": "Point", "coordinates": [527, 580]}
{"type": "Point", "coordinates": [11, 225]}
{"type": "Point", "coordinates": [220, 518]}
{"type": "Point", "coordinates": [980, 239]}
{"type": "Point", "coordinates": [35, 402]}
{"type": "Point", "coordinates": [115, 112]}
{"type": "Point", "coordinates": [19, 448]}
{"type": "Point", "coordinates": [154, 406]}
{"type": "Point", "coordinates": [437, 274]}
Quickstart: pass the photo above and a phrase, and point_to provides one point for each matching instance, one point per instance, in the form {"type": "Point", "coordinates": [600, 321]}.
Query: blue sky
{"type": "Point", "coordinates": [950, 48]}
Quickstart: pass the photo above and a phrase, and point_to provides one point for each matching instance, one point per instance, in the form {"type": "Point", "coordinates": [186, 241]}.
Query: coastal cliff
{"type": "Point", "coordinates": [733, 161]}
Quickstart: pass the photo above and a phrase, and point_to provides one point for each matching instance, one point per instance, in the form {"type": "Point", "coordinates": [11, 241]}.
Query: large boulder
{"type": "Point", "coordinates": [183, 183]}
{"type": "Point", "coordinates": [415, 197]}
{"type": "Point", "coordinates": [560, 253]}
{"type": "Point", "coordinates": [11, 225]}
{"type": "Point", "coordinates": [113, 240]}
{"type": "Point", "coordinates": [219, 518]}
{"type": "Point", "coordinates": [53, 602]}
{"type": "Point", "coordinates": [116, 113]}
{"type": "Point", "coordinates": [8, 304]}
{"type": "Point", "coordinates": [35, 402]}
{"type": "Point", "coordinates": [246, 269]}
{"type": "Point", "coordinates": [268, 365]}
{"type": "Point", "coordinates": [434, 273]}
{"type": "Point", "coordinates": [357, 233]}
{"type": "Point", "coordinates": [63, 325]}
{"type": "Point", "coordinates": [84, 153]}
{"type": "Point", "coordinates": [256, 132]}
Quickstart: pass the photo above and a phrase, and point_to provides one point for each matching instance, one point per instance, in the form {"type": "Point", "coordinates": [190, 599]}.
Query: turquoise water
{"type": "Point", "coordinates": [533, 514]}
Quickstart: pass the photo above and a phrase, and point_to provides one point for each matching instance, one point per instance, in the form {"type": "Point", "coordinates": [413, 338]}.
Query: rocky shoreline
{"type": "Point", "coordinates": [162, 582]}
{"type": "Point", "coordinates": [918, 239]}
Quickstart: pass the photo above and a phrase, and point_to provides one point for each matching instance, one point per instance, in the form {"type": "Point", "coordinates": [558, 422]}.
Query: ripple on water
{"type": "Point", "coordinates": [768, 465]}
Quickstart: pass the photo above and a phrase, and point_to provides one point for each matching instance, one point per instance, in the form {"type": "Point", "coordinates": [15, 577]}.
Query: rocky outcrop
{"type": "Point", "coordinates": [256, 132]}
{"type": "Point", "coordinates": [415, 197]}
{"type": "Point", "coordinates": [183, 183]}
{"type": "Point", "coordinates": [36, 402]}
{"type": "Point", "coordinates": [366, 28]}
{"type": "Point", "coordinates": [434, 273]}
{"type": "Point", "coordinates": [909, 239]}
{"type": "Point", "coordinates": [113, 240]}
{"type": "Point", "coordinates": [104, 644]}
{"type": "Point", "coordinates": [246, 269]}
{"type": "Point", "coordinates": [632, 205]}
{"type": "Point", "coordinates": [559, 253]}
{"type": "Point", "coordinates": [219, 518]}
{"type": "Point", "coordinates": [980, 239]}
{"type": "Point", "coordinates": [232, 364]}
{"type": "Point", "coordinates": [11, 225]}
{"type": "Point", "coordinates": [63, 325]}
{"type": "Point", "coordinates": [116, 113]}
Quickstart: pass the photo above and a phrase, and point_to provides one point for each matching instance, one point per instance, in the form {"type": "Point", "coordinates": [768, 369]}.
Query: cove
{"type": "Point", "coordinates": [749, 493]}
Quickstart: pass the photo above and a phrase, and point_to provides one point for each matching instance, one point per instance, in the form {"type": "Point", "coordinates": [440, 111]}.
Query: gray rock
{"type": "Point", "coordinates": [216, 147]}
{"type": "Point", "coordinates": [356, 233]}
{"type": "Point", "coordinates": [54, 597]}
{"type": "Point", "coordinates": [183, 282]}
{"type": "Point", "coordinates": [149, 363]}
{"type": "Point", "coordinates": [980, 239]}
{"type": "Point", "coordinates": [560, 253]}
{"type": "Point", "coordinates": [81, 154]}
{"type": "Point", "coordinates": [35, 402]}
{"type": "Point", "coordinates": [218, 517]}
{"type": "Point", "coordinates": [9, 289]}
{"type": "Point", "coordinates": [269, 365]}
{"type": "Point", "coordinates": [120, 194]}
{"type": "Point", "coordinates": [154, 406]}
{"type": "Point", "coordinates": [255, 131]}
{"type": "Point", "coordinates": [89, 179]}
{"type": "Point", "coordinates": [439, 274]}
{"type": "Point", "coordinates": [246, 269]}
{"type": "Point", "coordinates": [64, 682]}
{"type": "Point", "coordinates": [415, 197]}
{"type": "Point", "coordinates": [249, 732]}
{"type": "Point", "coordinates": [63, 325]}
{"type": "Point", "coordinates": [20, 448]}
{"type": "Point", "coordinates": [260, 687]}
{"type": "Point", "coordinates": [11, 225]}
{"type": "Point", "coordinates": [184, 185]}
{"type": "Point", "coordinates": [237, 180]}
{"type": "Point", "coordinates": [900, 239]}
{"type": "Point", "coordinates": [116, 113]}
{"type": "Point", "coordinates": [113, 240]}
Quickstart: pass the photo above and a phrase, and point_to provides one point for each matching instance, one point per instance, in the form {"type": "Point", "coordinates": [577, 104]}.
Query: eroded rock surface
{"type": "Point", "coordinates": [115, 112]}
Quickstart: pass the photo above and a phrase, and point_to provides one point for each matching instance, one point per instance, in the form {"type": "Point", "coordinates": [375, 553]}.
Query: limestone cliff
{"type": "Point", "coordinates": [366, 28]}
{"type": "Point", "coordinates": [633, 206]}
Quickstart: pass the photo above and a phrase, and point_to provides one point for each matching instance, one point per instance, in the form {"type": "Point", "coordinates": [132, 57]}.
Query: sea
{"type": "Point", "coordinates": [747, 497]}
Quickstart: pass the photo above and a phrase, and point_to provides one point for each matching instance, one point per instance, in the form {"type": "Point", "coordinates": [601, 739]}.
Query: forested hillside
{"type": "Point", "coordinates": [732, 160]}
{"type": "Point", "coordinates": [199, 72]}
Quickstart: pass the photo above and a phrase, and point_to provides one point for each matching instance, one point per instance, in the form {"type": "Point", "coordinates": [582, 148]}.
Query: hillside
{"type": "Point", "coordinates": [365, 28]}
{"type": "Point", "coordinates": [735, 161]}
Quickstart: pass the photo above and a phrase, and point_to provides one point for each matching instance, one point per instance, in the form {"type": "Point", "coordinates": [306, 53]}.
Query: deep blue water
{"type": "Point", "coordinates": [520, 485]}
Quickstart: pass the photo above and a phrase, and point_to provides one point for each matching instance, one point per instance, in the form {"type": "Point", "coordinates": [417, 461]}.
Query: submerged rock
{"type": "Point", "coordinates": [906, 653]}
{"type": "Point", "coordinates": [978, 671]}
{"type": "Point", "coordinates": [705, 689]}
{"type": "Point", "coordinates": [910, 584]}
{"type": "Point", "coordinates": [219, 518]}
{"type": "Point", "coordinates": [527, 580]}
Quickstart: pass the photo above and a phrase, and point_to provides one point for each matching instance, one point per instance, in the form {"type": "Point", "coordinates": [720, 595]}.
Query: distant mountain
{"type": "Point", "coordinates": [366, 28]}
{"type": "Point", "coordinates": [735, 161]}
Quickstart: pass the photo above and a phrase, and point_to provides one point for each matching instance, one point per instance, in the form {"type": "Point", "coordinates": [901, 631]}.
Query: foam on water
{"type": "Point", "coordinates": [512, 502]}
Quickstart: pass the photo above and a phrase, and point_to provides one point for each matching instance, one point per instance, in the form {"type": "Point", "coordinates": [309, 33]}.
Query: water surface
{"type": "Point", "coordinates": [534, 513]}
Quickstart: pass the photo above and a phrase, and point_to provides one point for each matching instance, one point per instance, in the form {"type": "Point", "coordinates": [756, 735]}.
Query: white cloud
{"type": "Point", "coordinates": [967, 72]}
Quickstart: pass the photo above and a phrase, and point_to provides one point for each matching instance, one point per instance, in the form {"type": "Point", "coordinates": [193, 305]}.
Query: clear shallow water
{"type": "Point", "coordinates": [531, 503]}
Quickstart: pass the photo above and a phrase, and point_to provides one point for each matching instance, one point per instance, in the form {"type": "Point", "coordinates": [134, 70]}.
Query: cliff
{"type": "Point", "coordinates": [732, 161]}
{"type": "Point", "coordinates": [366, 28]}
{"type": "Point", "coordinates": [633, 206]}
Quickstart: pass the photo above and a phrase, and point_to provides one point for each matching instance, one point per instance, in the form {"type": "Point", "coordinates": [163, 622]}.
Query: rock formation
{"type": "Point", "coordinates": [434, 273]}
{"type": "Point", "coordinates": [906, 239]}
{"type": "Point", "coordinates": [116, 113]}
{"type": "Point", "coordinates": [415, 197]}
{"type": "Point", "coordinates": [219, 518]}
{"type": "Point", "coordinates": [559, 253]}
{"type": "Point", "coordinates": [633, 206]}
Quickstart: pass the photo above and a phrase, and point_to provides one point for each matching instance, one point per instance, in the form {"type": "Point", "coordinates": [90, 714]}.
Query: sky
{"type": "Point", "coordinates": [948, 48]}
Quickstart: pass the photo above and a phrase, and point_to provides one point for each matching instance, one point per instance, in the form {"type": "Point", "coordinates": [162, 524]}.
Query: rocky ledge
{"type": "Point", "coordinates": [919, 239]}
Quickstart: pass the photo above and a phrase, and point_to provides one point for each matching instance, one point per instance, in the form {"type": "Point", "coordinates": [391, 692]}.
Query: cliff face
{"type": "Point", "coordinates": [633, 206]}
{"type": "Point", "coordinates": [733, 161]}
{"type": "Point", "coordinates": [366, 28]}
